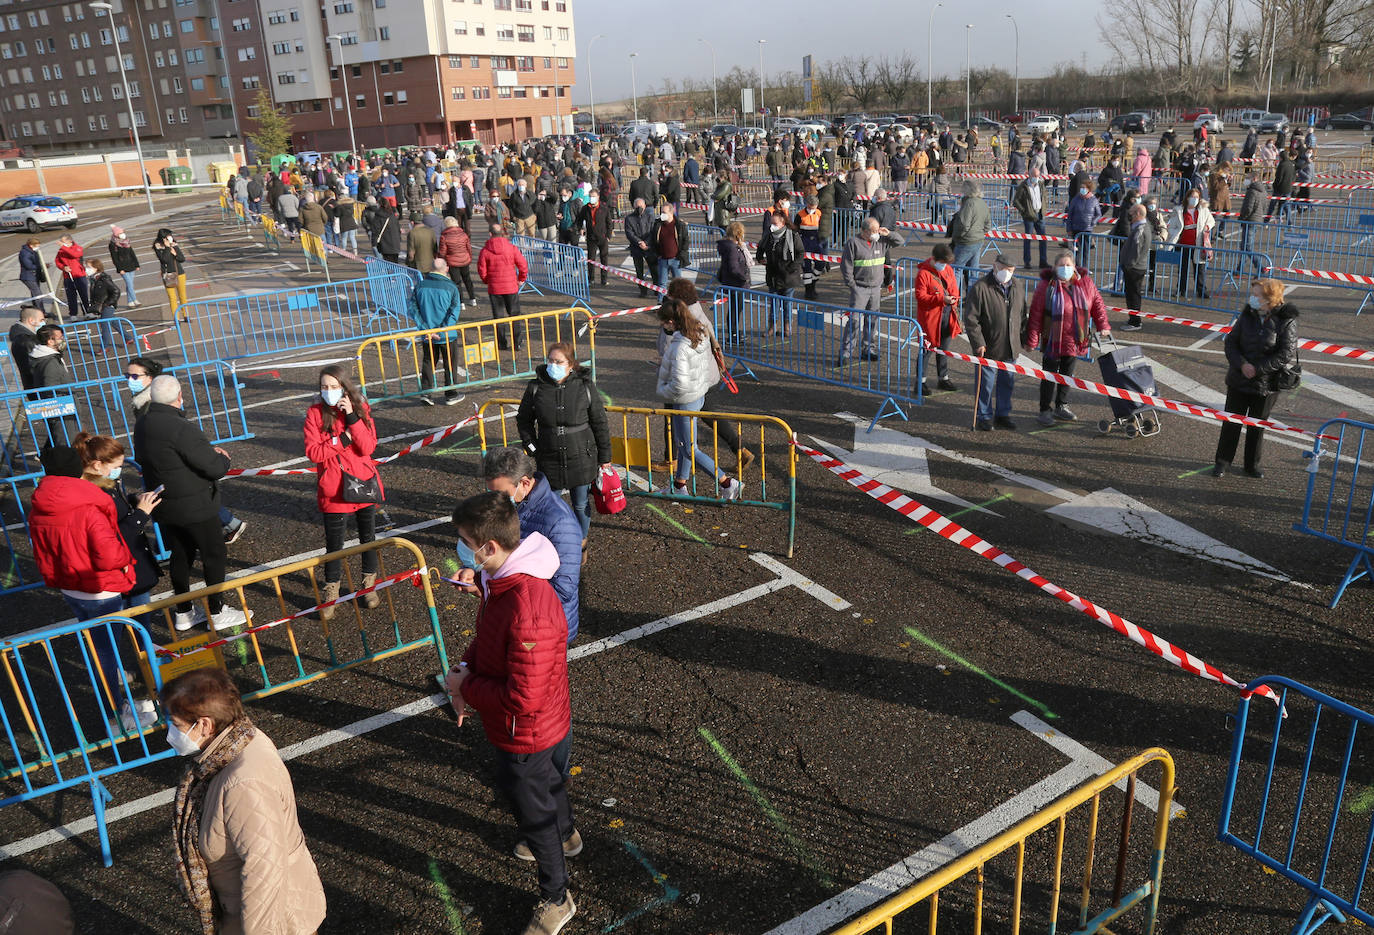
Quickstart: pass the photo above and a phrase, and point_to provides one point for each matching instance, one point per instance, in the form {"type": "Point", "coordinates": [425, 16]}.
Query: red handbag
{"type": "Point", "coordinates": [607, 493]}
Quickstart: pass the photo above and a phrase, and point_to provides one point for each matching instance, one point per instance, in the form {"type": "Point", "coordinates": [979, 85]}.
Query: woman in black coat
{"type": "Point", "coordinates": [386, 233]}
{"type": "Point", "coordinates": [1262, 349]}
{"type": "Point", "coordinates": [734, 272]}
{"type": "Point", "coordinates": [562, 423]}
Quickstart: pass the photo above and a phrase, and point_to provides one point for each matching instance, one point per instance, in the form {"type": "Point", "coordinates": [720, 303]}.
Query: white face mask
{"type": "Point", "coordinates": [1002, 275]}
{"type": "Point", "coordinates": [665, 217]}
{"type": "Point", "coordinates": [777, 228]}
{"type": "Point", "coordinates": [180, 742]}
{"type": "Point", "coordinates": [331, 397]}
{"type": "Point", "coordinates": [873, 236]}
{"type": "Point", "coordinates": [1192, 202]}
{"type": "Point", "coordinates": [939, 266]}
{"type": "Point", "coordinates": [593, 200]}
{"type": "Point", "coordinates": [785, 205]}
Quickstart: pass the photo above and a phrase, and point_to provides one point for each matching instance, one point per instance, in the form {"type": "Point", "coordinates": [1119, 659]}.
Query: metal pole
{"type": "Point", "coordinates": [930, 66]}
{"type": "Point", "coordinates": [591, 78]}
{"type": "Point", "coordinates": [1017, 66]}
{"type": "Point", "coordinates": [1273, 38]}
{"type": "Point", "coordinates": [557, 108]}
{"type": "Point", "coordinates": [634, 93]}
{"type": "Point", "coordinates": [133, 123]}
{"type": "Point", "coordinates": [968, 80]}
{"type": "Point", "coordinates": [715, 101]}
{"type": "Point", "coordinates": [348, 104]}
{"type": "Point", "coordinates": [763, 120]}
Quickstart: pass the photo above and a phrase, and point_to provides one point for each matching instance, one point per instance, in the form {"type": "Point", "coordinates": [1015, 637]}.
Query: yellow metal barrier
{"type": "Point", "coordinates": [270, 235]}
{"type": "Point", "coordinates": [970, 903]}
{"type": "Point", "coordinates": [312, 245]}
{"type": "Point", "coordinates": [742, 445]}
{"type": "Point", "coordinates": [1367, 157]}
{"type": "Point", "coordinates": [286, 641]}
{"type": "Point", "coordinates": [393, 366]}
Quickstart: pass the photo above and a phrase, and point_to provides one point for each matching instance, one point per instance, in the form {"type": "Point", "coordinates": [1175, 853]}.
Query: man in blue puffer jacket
{"type": "Point", "coordinates": [511, 471]}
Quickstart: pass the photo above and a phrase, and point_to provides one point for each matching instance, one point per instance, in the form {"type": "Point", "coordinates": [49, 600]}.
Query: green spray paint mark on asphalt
{"type": "Point", "coordinates": [968, 509]}
{"type": "Point", "coordinates": [455, 918]}
{"type": "Point", "coordinates": [950, 654]}
{"type": "Point", "coordinates": [1205, 467]}
{"type": "Point", "coordinates": [1049, 428]}
{"type": "Point", "coordinates": [676, 525]}
{"type": "Point", "coordinates": [605, 397]}
{"type": "Point", "coordinates": [451, 566]}
{"type": "Point", "coordinates": [1362, 801]}
{"type": "Point", "coordinates": [798, 849]}
{"type": "Point", "coordinates": [470, 443]}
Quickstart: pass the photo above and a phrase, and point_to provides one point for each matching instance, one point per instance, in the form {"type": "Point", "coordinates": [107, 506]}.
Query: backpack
{"type": "Point", "coordinates": [955, 227]}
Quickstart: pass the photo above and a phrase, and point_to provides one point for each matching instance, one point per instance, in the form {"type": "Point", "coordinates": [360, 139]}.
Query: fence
{"type": "Point", "coordinates": [1350, 250]}
{"type": "Point", "coordinates": [1225, 279]}
{"type": "Point", "coordinates": [741, 445]}
{"type": "Point", "coordinates": [1302, 770]}
{"type": "Point", "coordinates": [814, 343]}
{"type": "Point", "coordinates": [312, 246]}
{"type": "Point", "coordinates": [557, 267]}
{"type": "Point", "coordinates": [983, 868]}
{"type": "Point", "coordinates": [233, 327]}
{"type": "Point", "coordinates": [395, 366]}
{"type": "Point", "coordinates": [87, 355]}
{"type": "Point", "coordinates": [701, 248]}
{"type": "Point", "coordinates": [392, 289]}
{"type": "Point", "coordinates": [1344, 506]}
{"type": "Point", "coordinates": [66, 685]}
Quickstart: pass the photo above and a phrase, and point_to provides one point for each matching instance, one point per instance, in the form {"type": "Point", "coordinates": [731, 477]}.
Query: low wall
{"type": "Point", "coordinates": [111, 170]}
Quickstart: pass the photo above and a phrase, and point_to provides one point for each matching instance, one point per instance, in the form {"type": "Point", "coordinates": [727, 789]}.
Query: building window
{"type": "Point", "coordinates": [360, 101]}
{"type": "Point", "coordinates": [251, 84]}
{"type": "Point", "coordinates": [134, 90]}
{"type": "Point", "coordinates": [197, 84]}
{"type": "Point", "coordinates": [105, 37]}
{"type": "Point", "coordinates": [195, 56]}
{"type": "Point", "coordinates": [460, 28]}
{"type": "Point", "coordinates": [317, 105]}
{"type": "Point", "coordinates": [379, 4]}
{"type": "Point", "coordinates": [171, 116]}
{"type": "Point", "coordinates": [561, 6]}
{"type": "Point", "coordinates": [158, 60]}
{"type": "Point", "coordinates": [28, 127]}
{"type": "Point", "coordinates": [345, 7]}
{"type": "Point", "coordinates": [524, 63]}
{"type": "Point", "coordinates": [62, 96]}
{"type": "Point", "coordinates": [548, 34]}
{"type": "Point", "coordinates": [388, 99]}
{"type": "Point", "coordinates": [458, 94]}
{"type": "Point", "coordinates": [521, 92]}
{"type": "Point", "coordinates": [503, 92]}
{"type": "Point", "coordinates": [384, 33]}
{"type": "Point", "coordinates": [355, 71]}
{"type": "Point", "coordinates": [476, 61]}
{"type": "Point", "coordinates": [85, 96]}
{"type": "Point", "coordinates": [243, 25]}
{"type": "Point", "coordinates": [401, 97]}
{"type": "Point", "coordinates": [505, 33]}
{"type": "Point", "coordinates": [562, 33]}
{"type": "Point", "coordinates": [286, 77]}
{"type": "Point", "coordinates": [544, 5]}
{"type": "Point", "coordinates": [455, 61]}
{"type": "Point", "coordinates": [525, 33]}
{"type": "Point", "coordinates": [501, 4]}
{"type": "Point", "coordinates": [176, 85]}
{"type": "Point", "coordinates": [479, 30]}
{"type": "Point", "coordinates": [247, 54]}
{"type": "Point", "coordinates": [524, 5]}
{"type": "Point", "coordinates": [548, 62]}
{"type": "Point", "coordinates": [33, 99]}
{"type": "Point", "coordinates": [188, 25]}
{"type": "Point", "coordinates": [251, 110]}
{"type": "Point", "coordinates": [397, 66]}
{"type": "Point", "coordinates": [386, 69]}
{"type": "Point", "coordinates": [276, 17]}
{"type": "Point", "coordinates": [281, 48]}
{"type": "Point", "coordinates": [348, 38]}
{"type": "Point", "coordinates": [562, 63]}
{"type": "Point", "coordinates": [295, 16]}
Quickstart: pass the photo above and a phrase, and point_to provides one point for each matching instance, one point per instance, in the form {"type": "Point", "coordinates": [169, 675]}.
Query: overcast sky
{"type": "Point", "coordinates": [822, 28]}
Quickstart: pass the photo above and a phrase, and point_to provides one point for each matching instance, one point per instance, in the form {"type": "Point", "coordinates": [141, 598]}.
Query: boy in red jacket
{"type": "Point", "coordinates": [515, 675]}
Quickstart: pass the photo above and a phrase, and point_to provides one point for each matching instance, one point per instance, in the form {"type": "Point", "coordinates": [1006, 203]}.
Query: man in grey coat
{"type": "Point", "coordinates": [969, 227]}
{"type": "Point", "coordinates": [861, 267]}
{"type": "Point", "coordinates": [1135, 261]}
{"type": "Point", "coordinates": [994, 311]}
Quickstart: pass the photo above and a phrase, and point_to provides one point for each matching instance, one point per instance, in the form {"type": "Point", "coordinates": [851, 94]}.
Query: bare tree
{"type": "Point", "coordinates": [896, 77]}
{"type": "Point", "coordinates": [830, 85]}
{"type": "Point", "coordinates": [861, 76]}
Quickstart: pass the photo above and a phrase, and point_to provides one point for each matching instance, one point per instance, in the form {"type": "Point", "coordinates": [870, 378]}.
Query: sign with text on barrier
{"type": "Point", "coordinates": [872, 352]}
{"type": "Point", "coordinates": [54, 408]}
{"type": "Point", "coordinates": [555, 267]}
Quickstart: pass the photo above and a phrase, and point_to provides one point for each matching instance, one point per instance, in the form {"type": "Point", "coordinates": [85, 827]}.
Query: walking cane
{"type": "Point", "coordinates": [977, 392]}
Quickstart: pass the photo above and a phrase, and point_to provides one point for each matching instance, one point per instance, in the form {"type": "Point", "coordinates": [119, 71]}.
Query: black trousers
{"type": "Point", "coordinates": [597, 250]}
{"type": "Point", "coordinates": [336, 528]}
{"type": "Point", "coordinates": [438, 355]}
{"type": "Point", "coordinates": [1244, 404]}
{"type": "Point", "coordinates": [1133, 280]}
{"type": "Point", "coordinates": [1199, 271]}
{"type": "Point", "coordinates": [186, 541]}
{"type": "Point", "coordinates": [463, 274]}
{"type": "Point", "coordinates": [507, 306]}
{"type": "Point", "coordinates": [539, 800]}
{"type": "Point", "coordinates": [1054, 395]}
{"type": "Point", "coordinates": [641, 261]}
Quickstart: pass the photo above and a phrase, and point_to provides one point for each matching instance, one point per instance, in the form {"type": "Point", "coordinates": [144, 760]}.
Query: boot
{"type": "Point", "coordinates": [330, 593]}
{"type": "Point", "coordinates": [746, 458]}
{"type": "Point", "coordinates": [370, 600]}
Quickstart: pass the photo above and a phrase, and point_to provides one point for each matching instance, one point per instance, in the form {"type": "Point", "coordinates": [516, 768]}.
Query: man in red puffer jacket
{"type": "Point", "coordinates": [515, 675]}
{"type": "Point", "coordinates": [502, 267]}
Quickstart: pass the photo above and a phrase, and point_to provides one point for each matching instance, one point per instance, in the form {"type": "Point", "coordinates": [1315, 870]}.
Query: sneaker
{"type": "Point", "coordinates": [453, 400]}
{"type": "Point", "coordinates": [1046, 418]}
{"type": "Point", "coordinates": [134, 305]}
{"type": "Point", "coordinates": [925, 389]}
{"type": "Point", "coordinates": [1065, 414]}
{"type": "Point", "coordinates": [1129, 327]}
{"type": "Point", "coordinates": [229, 617]}
{"type": "Point", "coordinates": [1252, 472]}
{"type": "Point", "coordinates": [983, 425]}
{"type": "Point", "coordinates": [232, 532]}
{"type": "Point", "coordinates": [146, 715]}
{"type": "Point", "coordinates": [550, 917]}
{"type": "Point", "coordinates": [1004, 422]}
{"type": "Point", "coordinates": [1219, 469]}
{"type": "Point", "coordinates": [946, 385]}
{"type": "Point", "coordinates": [426, 400]}
{"type": "Point", "coordinates": [183, 622]}
{"type": "Point", "coordinates": [571, 847]}
{"type": "Point", "coordinates": [734, 491]}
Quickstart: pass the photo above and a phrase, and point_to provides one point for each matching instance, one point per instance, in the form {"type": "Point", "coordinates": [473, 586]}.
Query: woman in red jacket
{"type": "Point", "coordinates": [340, 438]}
{"type": "Point", "coordinates": [69, 261]}
{"type": "Point", "coordinates": [455, 247]}
{"type": "Point", "coordinates": [1065, 311]}
{"type": "Point", "coordinates": [937, 310]}
{"type": "Point", "coordinates": [502, 267]}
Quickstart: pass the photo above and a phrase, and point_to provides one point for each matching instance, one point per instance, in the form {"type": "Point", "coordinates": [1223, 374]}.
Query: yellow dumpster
{"type": "Point", "coordinates": [220, 172]}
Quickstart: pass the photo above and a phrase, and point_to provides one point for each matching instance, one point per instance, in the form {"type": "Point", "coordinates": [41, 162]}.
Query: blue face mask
{"type": "Point", "coordinates": [331, 397]}
{"type": "Point", "coordinates": [1254, 302]}
{"type": "Point", "coordinates": [1082, 191]}
{"type": "Point", "coordinates": [939, 267]}
{"type": "Point", "coordinates": [114, 475]}
{"type": "Point", "coordinates": [135, 386]}
{"type": "Point", "coordinates": [466, 557]}
{"type": "Point", "coordinates": [1064, 272]}
{"type": "Point", "coordinates": [556, 372]}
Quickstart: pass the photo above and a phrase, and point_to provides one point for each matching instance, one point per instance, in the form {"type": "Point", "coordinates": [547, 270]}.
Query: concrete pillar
{"type": "Point", "coordinates": [109, 170]}
{"type": "Point", "coordinates": [172, 157]}
{"type": "Point", "coordinates": [42, 185]}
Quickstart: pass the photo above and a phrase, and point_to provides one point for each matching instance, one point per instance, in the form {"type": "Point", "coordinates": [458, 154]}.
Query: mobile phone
{"type": "Point", "coordinates": [160, 488]}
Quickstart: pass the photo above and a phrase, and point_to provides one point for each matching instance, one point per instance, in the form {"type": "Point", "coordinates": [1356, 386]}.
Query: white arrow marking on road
{"type": "Point", "coordinates": [889, 456]}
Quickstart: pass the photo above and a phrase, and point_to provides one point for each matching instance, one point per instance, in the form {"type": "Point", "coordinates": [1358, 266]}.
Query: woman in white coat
{"type": "Point", "coordinates": [1190, 230]}
{"type": "Point", "coordinates": [687, 370]}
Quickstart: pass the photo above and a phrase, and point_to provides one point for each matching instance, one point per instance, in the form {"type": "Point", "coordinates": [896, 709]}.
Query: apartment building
{"type": "Point", "coordinates": [405, 71]}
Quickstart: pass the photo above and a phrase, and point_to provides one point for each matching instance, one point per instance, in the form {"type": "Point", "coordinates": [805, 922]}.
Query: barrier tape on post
{"type": "Point", "coordinates": [899, 502]}
{"type": "Point", "coordinates": [1354, 279]}
{"type": "Point", "coordinates": [626, 276]}
{"type": "Point", "coordinates": [1306, 344]}
{"type": "Point", "coordinates": [425, 442]}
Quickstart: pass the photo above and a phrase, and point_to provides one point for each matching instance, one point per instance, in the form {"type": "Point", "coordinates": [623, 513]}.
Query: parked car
{"type": "Point", "coordinates": [35, 212]}
{"type": "Point", "coordinates": [815, 126]}
{"type": "Point", "coordinates": [929, 122]}
{"type": "Point", "coordinates": [1044, 123]}
{"type": "Point", "coordinates": [723, 129]}
{"type": "Point", "coordinates": [786, 123]}
{"type": "Point", "coordinates": [901, 133]}
{"type": "Point", "coordinates": [1089, 115]}
{"type": "Point", "coordinates": [1135, 122]}
{"type": "Point", "coordinates": [1273, 123]}
{"type": "Point", "coordinates": [1348, 122]}
{"type": "Point", "coordinates": [1188, 116]}
{"type": "Point", "coordinates": [1211, 121]}
{"type": "Point", "coordinates": [1021, 116]}
{"type": "Point", "coordinates": [869, 127]}
{"type": "Point", "coordinates": [1249, 119]}
{"type": "Point", "coordinates": [982, 123]}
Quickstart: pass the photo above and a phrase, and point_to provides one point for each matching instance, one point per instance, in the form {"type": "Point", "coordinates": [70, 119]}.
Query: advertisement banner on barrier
{"type": "Point", "coordinates": [54, 408]}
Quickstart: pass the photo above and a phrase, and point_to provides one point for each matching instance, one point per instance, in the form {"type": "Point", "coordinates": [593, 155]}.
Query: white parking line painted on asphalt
{"type": "Point", "coordinates": [1084, 764]}
{"type": "Point", "coordinates": [786, 578]}
{"type": "Point", "coordinates": [1343, 395]}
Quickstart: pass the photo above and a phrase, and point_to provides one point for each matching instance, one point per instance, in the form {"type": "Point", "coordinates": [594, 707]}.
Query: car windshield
{"type": "Point", "coordinates": [1273, 116]}
{"type": "Point", "coordinates": [50, 203]}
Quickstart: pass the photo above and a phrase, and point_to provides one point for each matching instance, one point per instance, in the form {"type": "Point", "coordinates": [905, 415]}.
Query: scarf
{"type": "Point", "coordinates": [1058, 292]}
{"type": "Point", "coordinates": [192, 875]}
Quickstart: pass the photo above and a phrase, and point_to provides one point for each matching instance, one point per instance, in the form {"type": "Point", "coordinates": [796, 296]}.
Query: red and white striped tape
{"type": "Point", "coordinates": [991, 235]}
{"type": "Point", "coordinates": [1309, 201]}
{"type": "Point", "coordinates": [1333, 186]}
{"type": "Point", "coordinates": [626, 276]}
{"type": "Point", "coordinates": [1306, 344]}
{"type": "Point", "coordinates": [913, 510]}
{"type": "Point", "coordinates": [1004, 175]}
{"type": "Point", "coordinates": [1356, 279]}
{"type": "Point", "coordinates": [425, 442]}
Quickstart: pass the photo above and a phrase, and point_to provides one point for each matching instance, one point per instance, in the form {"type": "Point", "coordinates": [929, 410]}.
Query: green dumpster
{"type": "Point", "coordinates": [280, 160]}
{"type": "Point", "coordinates": [178, 178]}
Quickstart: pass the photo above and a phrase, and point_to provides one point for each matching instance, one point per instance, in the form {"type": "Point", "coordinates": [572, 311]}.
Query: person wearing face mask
{"type": "Point", "coordinates": [438, 303]}
{"type": "Point", "coordinates": [1083, 213]}
{"type": "Point", "coordinates": [1138, 239]}
{"type": "Point", "coordinates": [104, 305]}
{"type": "Point", "coordinates": [780, 253]}
{"type": "Point", "coordinates": [171, 260]}
{"type": "Point", "coordinates": [125, 261]}
{"type": "Point", "coordinates": [504, 269]}
{"type": "Point", "coordinates": [80, 549]}
{"type": "Point", "coordinates": [595, 220]}
{"type": "Point", "coordinates": [1262, 353]}
{"type": "Point", "coordinates": [340, 438]}
{"type": "Point", "coordinates": [669, 244]}
{"type": "Point", "coordinates": [1064, 311]}
{"type": "Point", "coordinates": [569, 231]}
{"type": "Point", "coordinates": [70, 264]}
{"type": "Point", "coordinates": [521, 204]}
{"type": "Point", "coordinates": [1142, 170]}
{"type": "Point", "coordinates": [861, 264]}
{"type": "Point", "coordinates": [1029, 202]}
{"type": "Point", "coordinates": [994, 313]}
{"type": "Point", "coordinates": [782, 201]}
{"type": "Point", "coordinates": [514, 674]}
{"type": "Point", "coordinates": [724, 203]}
{"type": "Point", "coordinates": [241, 859]}
{"type": "Point", "coordinates": [1190, 231]}
{"type": "Point", "coordinates": [48, 368]}
{"type": "Point", "coordinates": [562, 423]}
{"type": "Point", "coordinates": [1110, 183]}
{"type": "Point", "coordinates": [968, 229]}
{"type": "Point", "coordinates": [937, 311]}
{"type": "Point", "coordinates": [639, 225]}
{"type": "Point", "coordinates": [546, 214]}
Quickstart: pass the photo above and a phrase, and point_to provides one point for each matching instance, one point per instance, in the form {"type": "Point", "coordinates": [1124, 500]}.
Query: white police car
{"type": "Point", "coordinates": [34, 212]}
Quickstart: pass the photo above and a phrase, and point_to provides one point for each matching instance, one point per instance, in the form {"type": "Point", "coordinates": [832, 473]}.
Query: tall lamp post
{"type": "Point", "coordinates": [763, 120]}
{"type": "Point", "coordinates": [1017, 66]}
{"type": "Point", "coordinates": [591, 79]}
{"type": "Point", "coordinates": [634, 92]}
{"type": "Point", "coordinates": [348, 104]}
{"type": "Point", "coordinates": [1273, 48]}
{"type": "Point", "coordinates": [133, 123]}
{"type": "Point", "coordinates": [930, 66]}
{"type": "Point", "coordinates": [968, 79]}
{"type": "Point", "coordinates": [715, 101]}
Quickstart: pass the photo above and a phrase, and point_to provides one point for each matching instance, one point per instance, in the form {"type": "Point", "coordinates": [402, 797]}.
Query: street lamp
{"type": "Point", "coordinates": [1017, 106]}
{"type": "Point", "coordinates": [128, 99]}
{"type": "Point", "coordinates": [715, 101]}
{"type": "Point", "coordinates": [348, 104]}
{"type": "Point", "coordinates": [591, 79]}
{"type": "Point", "coordinates": [930, 65]}
{"type": "Point", "coordinates": [763, 120]}
{"type": "Point", "coordinates": [968, 79]}
{"type": "Point", "coordinates": [633, 92]}
{"type": "Point", "coordinates": [1273, 38]}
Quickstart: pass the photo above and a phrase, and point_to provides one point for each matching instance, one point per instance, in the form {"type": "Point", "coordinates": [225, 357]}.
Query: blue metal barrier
{"type": "Point", "coordinates": [557, 267]}
{"type": "Point", "coordinates": [815, 340]}
{"type": "Point", "coordinates": [234, 327]}
{"type": "Point", "coordinates": [392, 291]}
{"type": "Point", "coordinates": [67, 685]}
{"type": "Point", "coordinates": [1343, 250]}
{"type": "Point", "coordinates": [1344, 505]}
{"type": "Point", "coordinates": [701, 248]}
{"type": "Point", "coordinates": [1303, 771]}
{"type": "Point", "coordinates": [1225, 279]}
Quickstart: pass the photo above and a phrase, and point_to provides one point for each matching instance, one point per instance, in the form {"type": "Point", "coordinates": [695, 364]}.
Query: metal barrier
{"type": "Point", "coordinates": [1344, 506]}
{"type": "Point", "coordinates": [814, 343]}
{"type": "Point", "coordinates": [1302, 771]}
{"type": "Point", "coordinates": [1348, 250]}
{"type": "Point", "coordinates": [393, 289]}
{"type": "Point", "coordinates": [479, 351]}
{"type": "Point", "coordinates": [66, 686]}
{"type": "Point", "coordinates": [732, 435]}
{"type": "Point", "coordinates": [970, 903]}
{"type": "Point", "coordinates": [233, 327]}
{"type": "Point", "coordinates": [312, 245]}
{"type": "Point", "coordinates": [555, 266]}
{"type": "Point", "coordinates": [701, 248]}
{"type": "Point", "coordinates": [1226, 278]}
{"type": "Point", "coordinates": [292, 647]}
{"type": "Point", "coordinates": [270, 237]}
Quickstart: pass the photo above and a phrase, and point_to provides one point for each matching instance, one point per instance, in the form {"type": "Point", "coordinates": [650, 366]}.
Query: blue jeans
{"type": "Point", "coordinates": [108, 327]}
{"type": "Point", "coordinates": [1000, 381]}
{"type": "Point", "coordinates": [685, 449]}
{"type": "Point", "coordinates": [1033, 227]}
{"type": "Point", "coordinates": [780, 299]}
{"type": "Point", "coordinates": [966, 256]}
{"type": "Point", "coordinates": [349, 239]}
{"type": "Point", "coordinates": [106, 654]}
{"type": "Point", "coordinates": [667, 269]}
{"type": "Point", "coordinates": [130, 296]}
{"type": "Point", "coordinates": [581, 506]}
